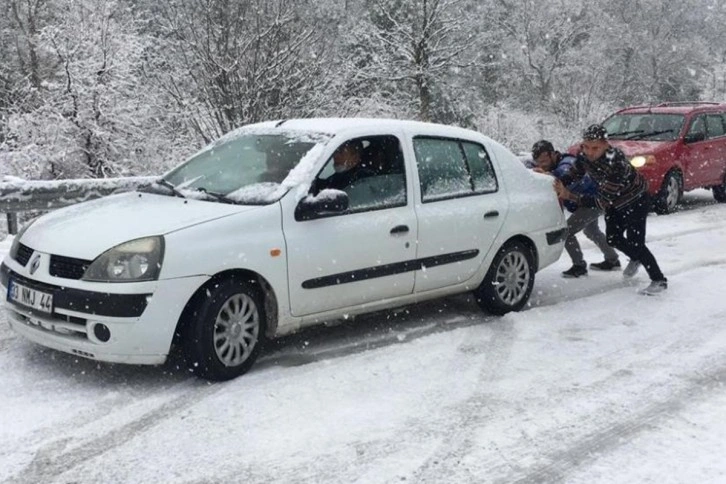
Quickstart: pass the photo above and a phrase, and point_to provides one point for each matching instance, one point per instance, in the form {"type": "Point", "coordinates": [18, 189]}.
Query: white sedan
{"type": "Point", "coordinates": [277, 226]}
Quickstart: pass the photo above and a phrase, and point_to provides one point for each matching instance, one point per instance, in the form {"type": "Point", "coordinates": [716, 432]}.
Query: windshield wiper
{"type": "Point", "coordinates": [171, 187]}
{"type": "Point", "coordinates": [654, 133]}
{"type": "Point", "coordinates": [217, 196]}
{"type": "Point", "coordinates": [623, 133]}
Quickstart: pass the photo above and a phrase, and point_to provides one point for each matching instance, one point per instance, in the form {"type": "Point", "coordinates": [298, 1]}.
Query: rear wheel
{"type": "Point", "coordinates": [226, 331]}
{"type": "Point", "coordinates": [719, 192]}
{"type": "Point", "coordinates": [670, 194]}
{"type": "Point", "coordinates": [509, 281]}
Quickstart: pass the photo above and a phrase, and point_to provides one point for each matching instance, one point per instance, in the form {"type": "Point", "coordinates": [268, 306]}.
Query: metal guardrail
{"type": "Point", "coordinates": [18, 195]}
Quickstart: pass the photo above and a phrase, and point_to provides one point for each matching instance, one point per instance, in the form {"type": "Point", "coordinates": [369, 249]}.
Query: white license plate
{"type": "Point", "coordinates": [42, 301]}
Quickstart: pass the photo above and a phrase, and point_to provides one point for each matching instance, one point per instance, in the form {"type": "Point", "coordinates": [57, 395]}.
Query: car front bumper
{"type": "Point", "coordinates": [133, 326]}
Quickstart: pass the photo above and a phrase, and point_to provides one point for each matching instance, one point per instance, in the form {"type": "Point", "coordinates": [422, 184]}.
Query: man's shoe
{"type": "Point", "coordinates": [655, 287]}
{"type": "Point", "coordinates": [631, 269]}
{"type": "Point", "coordinates": [606, 265]}
{"type": "Point", "coordinates": [575, 271]}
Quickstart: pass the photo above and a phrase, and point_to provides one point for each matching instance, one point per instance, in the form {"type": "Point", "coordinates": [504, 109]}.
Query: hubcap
{"type": "Point", "coordinates": [512, 278]}
{"type": "Point", "coordinates": [236, 330]}
{"type": "Point", "coordinates": [673, 189]}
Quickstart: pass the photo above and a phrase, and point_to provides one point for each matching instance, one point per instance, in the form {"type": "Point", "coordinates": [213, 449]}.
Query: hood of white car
{"type": "Point", "coordinates": [86, 230]}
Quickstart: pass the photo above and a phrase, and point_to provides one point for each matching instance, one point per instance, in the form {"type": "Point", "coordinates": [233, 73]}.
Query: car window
{"type": "Point", "coordinates": [375, 180]}
{"type": "Point", "coordinates": [482, 171]}
{"type": "Point", "coordinates": [645, 126]}
{"type": "Point", "coordinates": [714, 125]}
{"type": "Point", "coordinates": [442, 168]}
{"type": "Point", "coordinates": [698, 126]}
{"type": "Point", "coordinates": [450, 168]}
{"type": "Point", "coordinates": [247, 167]}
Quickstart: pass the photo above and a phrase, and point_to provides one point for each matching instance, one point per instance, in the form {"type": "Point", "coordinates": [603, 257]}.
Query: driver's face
{"type": "Point", "coordinates": [345, 158]}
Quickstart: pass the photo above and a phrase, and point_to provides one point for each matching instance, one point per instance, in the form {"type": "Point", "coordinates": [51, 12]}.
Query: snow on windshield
{"type": "Point", "coordinates": [252, 165]}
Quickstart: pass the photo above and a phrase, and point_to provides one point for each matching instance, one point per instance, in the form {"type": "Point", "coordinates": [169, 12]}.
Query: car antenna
{"type": "Point", "coordinates": [279, 123]}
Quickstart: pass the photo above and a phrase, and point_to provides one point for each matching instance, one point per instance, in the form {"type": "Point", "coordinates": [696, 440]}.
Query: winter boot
{"type": "Point", "coordinates": [606, 265]}
{"type": "Point", "coordinates": [655, 287]}
{"type": "Point", "coordinates": [575, 271]}
{"type": "Point", "coordinates": [631, 269]}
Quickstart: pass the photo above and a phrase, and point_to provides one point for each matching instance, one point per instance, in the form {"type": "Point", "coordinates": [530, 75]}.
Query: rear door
{"type": "Point", "coordinates": [460, 207]}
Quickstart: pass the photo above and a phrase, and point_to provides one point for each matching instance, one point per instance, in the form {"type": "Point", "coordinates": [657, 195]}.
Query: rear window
{"type": "Point", "coordinates": [645, 126]}
{"type": "Point", "coordinates": [451, 168]}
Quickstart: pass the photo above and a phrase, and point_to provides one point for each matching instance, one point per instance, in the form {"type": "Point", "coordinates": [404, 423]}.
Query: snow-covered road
{"type": "Point", "coordinates": [594, 383]}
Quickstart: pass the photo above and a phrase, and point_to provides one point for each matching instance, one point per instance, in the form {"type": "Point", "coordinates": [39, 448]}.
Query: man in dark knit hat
{"type": "Point", "coordinates": [622, 194]}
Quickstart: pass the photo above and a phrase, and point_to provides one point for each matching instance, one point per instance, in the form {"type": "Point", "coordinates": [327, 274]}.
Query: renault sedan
{"type": "Point", "coordinates": [277, 226]}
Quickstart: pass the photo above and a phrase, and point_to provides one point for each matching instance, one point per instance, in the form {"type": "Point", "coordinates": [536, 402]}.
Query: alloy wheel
{"type": "Point", "coordinates": [512, 278]}
{"type": "Point", "coordinates": [236, 330]}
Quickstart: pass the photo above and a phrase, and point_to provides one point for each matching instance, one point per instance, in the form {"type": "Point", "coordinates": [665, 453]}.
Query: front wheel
{"type": "Point", "coordinates": [226, 332]}
{"type": "Point", "coordinates": [509, 281]}
{"type": "Point", "coordinates": [669, 195]}
{"type": "Point", "coordinates": [719, 191]}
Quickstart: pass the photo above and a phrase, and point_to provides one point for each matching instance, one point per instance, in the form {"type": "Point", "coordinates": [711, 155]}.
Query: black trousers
{"type": "Point", "coordinates": [625, 230]}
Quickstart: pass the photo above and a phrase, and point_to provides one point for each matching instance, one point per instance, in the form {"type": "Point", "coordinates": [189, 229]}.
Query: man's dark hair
{"type": "Point", "coordinates": [542, 146]}
{"type": "Point", "coordinates": [356, 144]}
{"type": "Point", "coordinates": [595, 132]}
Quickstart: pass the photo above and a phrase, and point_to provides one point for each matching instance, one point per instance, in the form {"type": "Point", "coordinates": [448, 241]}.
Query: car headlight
{"type": "Point", "coordinates": [133, 261]}
{"type": "Point", "coordinates": [16, 241]}
{"type": "Point", "coordinates": [641, 161]}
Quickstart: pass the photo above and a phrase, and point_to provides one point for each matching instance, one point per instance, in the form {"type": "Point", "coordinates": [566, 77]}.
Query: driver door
{"type": "Point", "coordinates": [362, 254]}
{"type": "Point", "coordinates": [697, 155]}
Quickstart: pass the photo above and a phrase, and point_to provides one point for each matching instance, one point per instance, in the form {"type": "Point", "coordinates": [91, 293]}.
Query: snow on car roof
{"type": "Point", "coordinates": [673, 108]}
{"type": "Point", "coordinates": [334, 126]}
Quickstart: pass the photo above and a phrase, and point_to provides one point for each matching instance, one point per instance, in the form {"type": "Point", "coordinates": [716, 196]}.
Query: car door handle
{"type": "Point", "coordinates": [492, 214]}
{"type": "Point", "coordinates": [399, 229]}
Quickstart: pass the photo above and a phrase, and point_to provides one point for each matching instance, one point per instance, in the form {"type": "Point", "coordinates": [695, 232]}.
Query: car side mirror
{"type": "Point", "coordinates": [694, 137]}
{"type": "Point", "coordinates": [324, 204]}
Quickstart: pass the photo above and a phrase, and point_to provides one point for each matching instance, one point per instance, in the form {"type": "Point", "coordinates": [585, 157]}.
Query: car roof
{"type": "Point", "coordinates": [675, 108]}
{"type": "Point", "coordinates": [340, 125]}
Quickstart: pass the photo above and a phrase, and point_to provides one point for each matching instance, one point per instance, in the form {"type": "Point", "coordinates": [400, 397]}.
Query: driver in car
{"type": "Point", "coordinates": [348, 166]}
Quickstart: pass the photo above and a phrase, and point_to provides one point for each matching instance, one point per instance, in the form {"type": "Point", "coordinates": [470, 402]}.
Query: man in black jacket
{"type": "Point", "coordinates": [622, 194]}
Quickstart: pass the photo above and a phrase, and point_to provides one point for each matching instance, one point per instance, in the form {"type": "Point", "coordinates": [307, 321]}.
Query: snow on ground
{"type": "Point", "coordinates": [593, 383]}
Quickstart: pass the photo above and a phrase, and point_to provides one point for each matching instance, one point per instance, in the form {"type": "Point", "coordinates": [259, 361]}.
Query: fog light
{"type": "Point", "coordinates": [101, 332]}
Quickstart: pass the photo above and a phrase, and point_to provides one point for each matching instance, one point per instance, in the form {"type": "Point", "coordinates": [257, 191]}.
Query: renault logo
{"type": "Point", "coordinates": [35, 264]}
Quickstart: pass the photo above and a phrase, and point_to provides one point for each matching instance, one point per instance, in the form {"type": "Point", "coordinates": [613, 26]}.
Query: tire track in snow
{"type": "Point", "coordinates": [52, 460]}
{"type": "Point", "coordinates": [335, 468]}
{"type": "Point", "coordinates": [591, 446]}
{"type": "Point", "coordinates": [475, 412]}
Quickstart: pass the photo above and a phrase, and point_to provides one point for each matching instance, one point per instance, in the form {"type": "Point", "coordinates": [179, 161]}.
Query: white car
{"type": "Point", "coordinates": [257, 236]}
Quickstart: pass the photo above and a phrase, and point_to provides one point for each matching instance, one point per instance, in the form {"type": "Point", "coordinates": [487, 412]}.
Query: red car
{"type": "Point", "coordinates": [676, 146]}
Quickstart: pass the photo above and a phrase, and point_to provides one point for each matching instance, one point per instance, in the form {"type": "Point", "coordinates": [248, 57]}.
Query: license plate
{"type": "Point", "coordinates": [26, 296]}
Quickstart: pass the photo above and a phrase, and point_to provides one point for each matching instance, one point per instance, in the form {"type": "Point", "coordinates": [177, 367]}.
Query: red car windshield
{"type": "Point", "coordinates": [644, 126]}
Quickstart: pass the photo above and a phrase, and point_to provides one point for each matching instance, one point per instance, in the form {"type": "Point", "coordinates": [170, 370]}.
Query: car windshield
{"type": "Point", "coordinates": [645, 126]}
{"type": "Point", "coordinates": [244, 168]}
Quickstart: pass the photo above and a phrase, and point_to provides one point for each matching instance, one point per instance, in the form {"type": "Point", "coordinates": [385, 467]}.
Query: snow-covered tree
{"type": "Point", "coordinates": [656, 51]}
{"type": "Point", "coordinates": [406, 52]}
{"type": "Point", "coordinates": [242, 61]}
{"type": "Point", "coordinates": [96, 116]}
